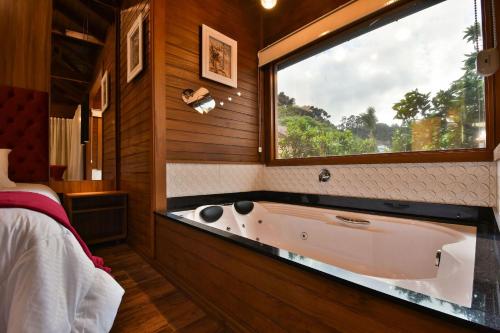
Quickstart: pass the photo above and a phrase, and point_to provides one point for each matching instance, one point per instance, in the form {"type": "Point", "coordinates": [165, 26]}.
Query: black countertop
{"type": "Point", "coordinates": [485, 310]}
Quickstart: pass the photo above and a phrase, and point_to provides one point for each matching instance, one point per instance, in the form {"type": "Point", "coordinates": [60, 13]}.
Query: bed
{"type": "Point", "coordinates": [48, 281]}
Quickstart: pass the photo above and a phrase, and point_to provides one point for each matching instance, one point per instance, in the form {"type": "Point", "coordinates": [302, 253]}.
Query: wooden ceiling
{"type": "Point", "coordinates": [78, 32]}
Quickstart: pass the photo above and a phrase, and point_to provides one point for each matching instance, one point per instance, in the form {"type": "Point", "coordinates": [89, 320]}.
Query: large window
{"type": "Point", "coordinates": [408, 85]}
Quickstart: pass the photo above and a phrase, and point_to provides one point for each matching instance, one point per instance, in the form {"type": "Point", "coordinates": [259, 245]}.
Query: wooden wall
{"type": "Point", "coordinates": [230, 132]}
{"type": "Point", "coordinates": [142, 124]}
{"type": "Point", "coordinates": [298, 13]}
{"type": "Point", "coordinates": [135, 131]}
{"type": "Point", "coordinates": [107, 62]}
{"type": "Point", "coordinates": [25, 27]}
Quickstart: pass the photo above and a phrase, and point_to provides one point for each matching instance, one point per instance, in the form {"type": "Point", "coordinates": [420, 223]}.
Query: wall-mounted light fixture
{"type": "Point", "coordinates": [268, 4]}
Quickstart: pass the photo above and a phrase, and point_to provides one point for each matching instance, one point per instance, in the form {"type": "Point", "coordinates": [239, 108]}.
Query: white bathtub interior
{"type": "Point", "coordinates": [398, 251]}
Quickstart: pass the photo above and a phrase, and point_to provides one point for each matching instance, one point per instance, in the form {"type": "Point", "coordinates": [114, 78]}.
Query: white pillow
{"type": "Point", "coordinates": [4, 169]}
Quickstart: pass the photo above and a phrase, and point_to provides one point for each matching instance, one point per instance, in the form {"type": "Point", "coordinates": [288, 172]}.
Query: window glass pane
{"type": "Point", "coordinates": [410, 85]}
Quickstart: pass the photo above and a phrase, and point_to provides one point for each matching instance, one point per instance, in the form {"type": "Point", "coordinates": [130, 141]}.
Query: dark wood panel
{"type": "Point", "coordinates": [199, 147]}
{"type": "Point", "coordinates": [107, 62]}
{"type": "Point", "coordinates": [151, 303]}
{"type": "Point", "coordinates": [230, 132]}
{"type": "Point", "coordinates": [298, 14]}
{"type": "Point", "coordinates": [136, 117]}
{"type": "Point", "coordinates": [98, 216]}
{"type": "Point", "coordinates": [205, 135]}
{"type": "Point", "coordinates": [58, 110]}
{"type": "Point", "coordinates": [196, 157]}
{"type": "Point", "coordinates": [209, 129]}
{"type": "Point", "coordinates": [142, 123]}
{"type": "Point", "coordinates": [261, 294]}
{"type": "Point", "coordinates": [25, 27]}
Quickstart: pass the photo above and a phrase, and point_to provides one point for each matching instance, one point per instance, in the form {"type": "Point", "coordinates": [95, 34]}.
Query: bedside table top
{"type": "Point", "coordinates": [95, 194]}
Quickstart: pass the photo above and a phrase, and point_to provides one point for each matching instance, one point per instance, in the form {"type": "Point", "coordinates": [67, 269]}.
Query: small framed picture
{"type": "Point", "coordinates": [104, 91]}
{"type": "Point", "coordinates": [134, 49]}
{"type": "Point", "coordinates": [219, 57]}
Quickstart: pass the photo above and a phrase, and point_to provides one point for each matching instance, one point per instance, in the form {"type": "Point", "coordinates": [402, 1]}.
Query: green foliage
{"type": "Point", "coordinates": [307, 132]}
{"type": "Point", "coordinates": [401, 140]}
{"type": "Point", "coordinates": [413, 104]}
{"type": "Point", "coordinates": [369, 120]}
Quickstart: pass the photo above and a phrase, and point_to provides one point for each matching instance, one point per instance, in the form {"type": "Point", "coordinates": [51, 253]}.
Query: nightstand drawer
{"type": "Point", "coordinates": [85, 203]}
{"type": "Point", "coordinates": [98, 216]}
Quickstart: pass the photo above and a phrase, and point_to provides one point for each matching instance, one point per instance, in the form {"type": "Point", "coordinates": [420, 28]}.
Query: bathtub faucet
{"type": "Point", "coordinates": [324, 176]}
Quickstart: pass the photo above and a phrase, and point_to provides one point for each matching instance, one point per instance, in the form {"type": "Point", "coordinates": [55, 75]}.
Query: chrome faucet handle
{"type": "Point", "coordinates": [324, 175]}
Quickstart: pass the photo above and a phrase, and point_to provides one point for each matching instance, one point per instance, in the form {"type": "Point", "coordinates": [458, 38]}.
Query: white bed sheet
{"type": "Point", "coordinates": [47, 283]}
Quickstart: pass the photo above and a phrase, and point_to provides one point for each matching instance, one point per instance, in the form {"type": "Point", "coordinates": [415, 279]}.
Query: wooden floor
{"type": "Point", "coordinates": [151, 303]}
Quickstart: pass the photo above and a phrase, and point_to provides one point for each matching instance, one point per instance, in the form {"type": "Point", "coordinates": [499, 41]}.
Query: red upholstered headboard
{"type": "Point", "coordinates": [24, 128]}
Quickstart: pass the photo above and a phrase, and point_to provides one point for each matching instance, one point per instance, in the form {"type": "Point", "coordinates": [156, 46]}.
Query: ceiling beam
{"type": "Point", "coordinates": [111, 4]}
{"type": "Point", "coordinates": [61, 68]}
{"type": "Point", "coordinates": [78, 11]}
{"type": "Point", "coordinates": [66, 78]}
{"type": "Point", "coordinates": [78, 36]}
{"type": "Point", "coordinates": [78, 55]}
{"type": "Point", "coordinates": [61, 21]}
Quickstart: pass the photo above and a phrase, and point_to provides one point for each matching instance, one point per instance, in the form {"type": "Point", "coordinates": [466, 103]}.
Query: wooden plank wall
{"type": "Point", "coordinates": [255, 293]}
{"type": "Point", "coordinates": [230, 132]}
{"type": "Point", "coordinates": [107, 62]}
{"type": "Point", "coordinates": [25, 27]}
{"type": "Point", "coordinates": [298, 13]}
{"type": "Point", "coordinates": [136, 137]}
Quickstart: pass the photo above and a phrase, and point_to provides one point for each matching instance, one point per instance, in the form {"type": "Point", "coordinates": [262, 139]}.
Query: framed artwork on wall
{"type": "Point", "coordinates": [104, 91]}
{"type": "Point", "coordinates": [134, 49]}
{"type": "Point", "coordinates": [219, 57]}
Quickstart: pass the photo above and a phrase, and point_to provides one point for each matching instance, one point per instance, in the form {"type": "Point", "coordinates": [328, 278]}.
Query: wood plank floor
{"type": "Point", "coordinates": [151, 303]}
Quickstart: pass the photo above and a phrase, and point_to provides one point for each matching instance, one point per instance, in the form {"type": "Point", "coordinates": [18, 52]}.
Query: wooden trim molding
{"type": "Point", "coordinates": [79, 186]}
{"type": "Point", "coordinates": [159, 152]}
{"type": "Point", "coordinates": [492, 91]}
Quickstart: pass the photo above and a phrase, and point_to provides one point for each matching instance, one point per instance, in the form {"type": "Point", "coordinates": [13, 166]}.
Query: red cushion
{"type": "Point", "coordinates": [24, 128]}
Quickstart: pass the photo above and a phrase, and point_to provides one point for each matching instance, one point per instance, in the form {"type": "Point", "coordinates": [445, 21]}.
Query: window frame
{"type": "Point", "coordinates": [268, 81]}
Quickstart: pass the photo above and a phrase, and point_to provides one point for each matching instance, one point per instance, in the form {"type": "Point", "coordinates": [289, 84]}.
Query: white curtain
{"type": "Point", "coordinates": [65, 146]}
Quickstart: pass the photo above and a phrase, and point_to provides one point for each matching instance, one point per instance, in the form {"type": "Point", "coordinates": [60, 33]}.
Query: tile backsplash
{"type": "Point", "coordinates": [471, 183]}
{"type": "Point", "coordinates": [185, 179]}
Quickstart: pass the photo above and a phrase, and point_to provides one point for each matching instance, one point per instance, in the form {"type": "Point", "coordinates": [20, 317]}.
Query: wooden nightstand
{"type": "Point", "coordinates": [98, 216]}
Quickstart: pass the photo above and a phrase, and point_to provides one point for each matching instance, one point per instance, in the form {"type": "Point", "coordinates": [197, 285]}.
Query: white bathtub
{"type": "Point", "coordinates": [400, 252]}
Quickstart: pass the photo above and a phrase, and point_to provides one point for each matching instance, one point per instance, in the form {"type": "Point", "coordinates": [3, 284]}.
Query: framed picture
{"type": "Point", "coordinates": [104, 92]}
{"type": "Point", "coordinates": [134, 49]}
{"type": "Point", "coordinates": [219, 57]}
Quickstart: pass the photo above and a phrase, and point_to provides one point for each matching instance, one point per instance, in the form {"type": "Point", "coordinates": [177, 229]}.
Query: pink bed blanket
{"type": "Point", "coordinates": [42, 204]}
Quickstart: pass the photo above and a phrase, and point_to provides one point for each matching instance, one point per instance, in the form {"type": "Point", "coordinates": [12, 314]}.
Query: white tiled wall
{"type": "Point", "coordinates": [453, 183]}
{"type": "Point", "coordinates": [184, 179]}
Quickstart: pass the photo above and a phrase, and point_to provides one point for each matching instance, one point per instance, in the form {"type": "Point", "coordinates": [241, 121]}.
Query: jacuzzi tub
{"type": "Point", "coordinates": [430, 258]}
